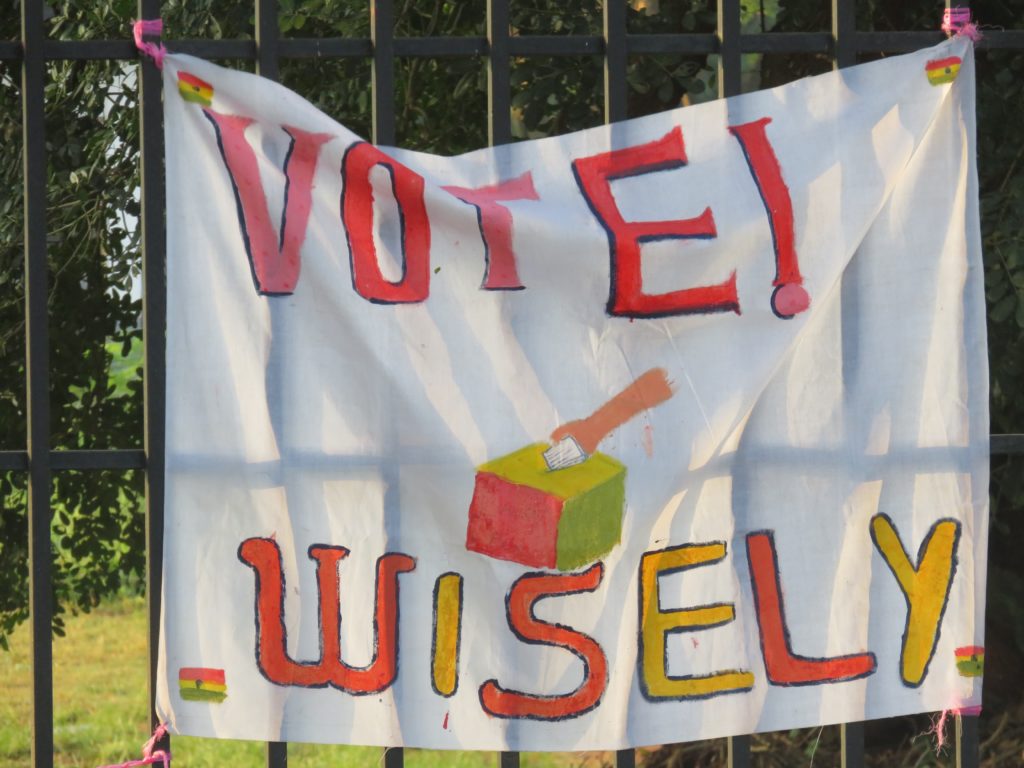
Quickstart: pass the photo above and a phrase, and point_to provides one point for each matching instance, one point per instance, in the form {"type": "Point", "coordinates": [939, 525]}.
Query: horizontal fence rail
{"type": "Point", "coordinates": [842, 45]}
{"type": "Point", "coordinates": [533, 45]}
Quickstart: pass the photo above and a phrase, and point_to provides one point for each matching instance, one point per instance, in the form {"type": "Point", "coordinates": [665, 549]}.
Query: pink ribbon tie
{"type": "Point", "coordinates": [957, 21]}
{"type": "Point", "coordinates": [150, 754]}
{"type": "Point", "coordinates": [155, 51]}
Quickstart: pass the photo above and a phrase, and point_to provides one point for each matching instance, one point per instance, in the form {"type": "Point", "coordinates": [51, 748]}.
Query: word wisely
{"type": "Point", "coordinates": [924, 584]}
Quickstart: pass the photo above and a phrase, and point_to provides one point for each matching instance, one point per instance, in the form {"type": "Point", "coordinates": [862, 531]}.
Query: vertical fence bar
{"type": "Point", "coordinates": [499, 131]}
{"type": "Point", "coordinates": [967, 743]}
{"type": "Point", "coordinates": [615, 60]}
{"type": "Point", "coordinates": [625, 758]}
{"type": "Point", "coordinates": [382, 34]}
{"type": "Point", "coordinates": [267, 35]}
{"type": "Point", "coordinates": [844, 54]}
{"type": "Point", "coordinates": [730, 84]}
{"type": "Point", "coordinates": [277, 754]}
{"type": "Point", "coordinates": [154, 317]}
{"type": "Point", "coordinates": [844, 26]}
{"type": "Point", "coordinates": [37, 381]}
{"type": "Point", "coordinates": [851, 738]}
{"type": "Point", "coordinates": [499, 83]}
{"type": "Point", "coordinates": [729, 56]}
{"type": "Point", "coordinates": [968, 746]}
{"type": "Point", "coordinates": [738, 752]}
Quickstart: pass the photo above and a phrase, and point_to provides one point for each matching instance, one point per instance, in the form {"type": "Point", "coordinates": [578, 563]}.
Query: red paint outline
{"type": "Point", "coordinates": [407, 189]}
{"type": "Point", "coordinates": [778, 204]}
{"type": "Point", "coordinates": [626, 298]}
{"type": "Point", "coordinates": [525, 593]}
{"type": "Point", "coordinates": [272, 633]}
{"type": "Point", "coordinates": [783, 667]}
{"type": "Point", "coordinates": [495, 223]}
{"type": "Point", "coordinates": [277, 275]}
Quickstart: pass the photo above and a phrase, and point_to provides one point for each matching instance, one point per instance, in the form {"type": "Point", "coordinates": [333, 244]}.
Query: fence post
{"type": "Point", "coordinates": [499, 129]}
{"type": "Point", "coordinates": [844, 54]}
{"type": "Point", "coordinates": [267, 34]}
{"type": "Point", "coordinates": [967, 746]}
{"type": "Point", "coordinates": [382, 84]}
{"type": "Point", "coordinates": [616, 60]}
{"type": "Point", "coordinates": [844, 27]}
{"type": "Point", "coordinates": [851, 737]}
{"type": "Point", "coordinates": [730, 63]}
{"type": "Point", "coordinates": [37, 381]}
{"type": "Point", "coordinates": [738, 751]}
{"type": "Point", "coordinates": [730, 60]}
{"type": "Point", "coordinates": [154, 321]}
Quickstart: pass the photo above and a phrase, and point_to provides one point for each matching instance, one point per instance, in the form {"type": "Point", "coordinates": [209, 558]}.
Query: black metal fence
{"type": "Point", "coordinates": [843, 46]}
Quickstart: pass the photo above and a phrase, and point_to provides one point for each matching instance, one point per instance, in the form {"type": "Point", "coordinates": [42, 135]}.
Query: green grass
{"type": "Point", "coordinates": [100, 708]}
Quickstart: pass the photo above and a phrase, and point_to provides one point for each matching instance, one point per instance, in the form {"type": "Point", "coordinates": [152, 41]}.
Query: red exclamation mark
{"type": "Point", "coordinates": [790, 297]}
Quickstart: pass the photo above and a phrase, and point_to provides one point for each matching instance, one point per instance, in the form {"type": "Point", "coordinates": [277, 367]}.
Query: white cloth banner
{"type": "Point", "coordinates": [665, 430]}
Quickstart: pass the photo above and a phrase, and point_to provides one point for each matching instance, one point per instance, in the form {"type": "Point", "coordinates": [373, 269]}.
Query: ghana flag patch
{"type": "Point", "coordinates": [202, 684]}
{"type": "Point", "coordinates": [970, 660]}
{"type": "Point", "coordinates": [942, 71]}
{"type": "Point", "coordinates": [195, 90]}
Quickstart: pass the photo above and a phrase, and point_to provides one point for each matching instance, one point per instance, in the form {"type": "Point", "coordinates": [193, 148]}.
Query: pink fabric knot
{"type": "Point", "coordinates": [150, 754]}
{"type": "Point", "coordinates": [158, 734]}
{"type": "Point", "coordinates": [957, 21]}
{"type": "Point", "coordinates": [155, 51]}
{"type": "Point", "coordinates": [938, 725]}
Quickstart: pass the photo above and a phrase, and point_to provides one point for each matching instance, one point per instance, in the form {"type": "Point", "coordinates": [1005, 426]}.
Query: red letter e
{"type": "Point", "coordinates": [626, 297]}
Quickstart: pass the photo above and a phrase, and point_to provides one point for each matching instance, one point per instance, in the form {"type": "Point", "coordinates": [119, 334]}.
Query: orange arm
{"type": "Point", "coordinates": [650, 389]}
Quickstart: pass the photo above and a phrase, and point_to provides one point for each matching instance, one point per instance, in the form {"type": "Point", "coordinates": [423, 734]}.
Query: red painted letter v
{"type": "Point", "coordinates": [273, 256]}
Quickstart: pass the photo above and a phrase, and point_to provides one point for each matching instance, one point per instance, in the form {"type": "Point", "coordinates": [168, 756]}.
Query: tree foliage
{"type": "Point", "coordinates": [93, 241]}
